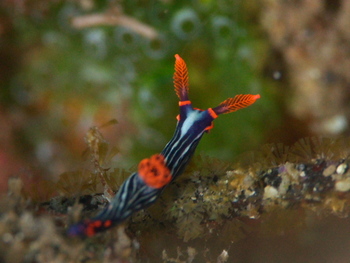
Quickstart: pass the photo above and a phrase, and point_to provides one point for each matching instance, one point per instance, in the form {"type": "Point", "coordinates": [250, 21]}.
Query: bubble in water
{"type": "Point", "coordinates": [126, 39]}
{"type": "Point", "coordinates": [156, 48]}
{"type": "Point", "coordinates": [223, 28]}
{"type": "Point", "coordinates": [125, 69]}
{"type": "Point", "coordinates": [95, 42]}
{"type": "Point", "coordinates": [186, 24]}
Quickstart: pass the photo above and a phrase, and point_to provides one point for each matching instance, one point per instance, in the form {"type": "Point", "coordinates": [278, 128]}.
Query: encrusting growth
{"type": "Point", "coordinates": [143, 187]}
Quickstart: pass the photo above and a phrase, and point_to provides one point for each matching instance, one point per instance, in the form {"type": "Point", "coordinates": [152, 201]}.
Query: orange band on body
{"type": "Point", "coordinates": [212, 113]}
{"type": "Point", "coordinates": [184, 102]}
{"type": "Point", "coordinates": [154, 172]}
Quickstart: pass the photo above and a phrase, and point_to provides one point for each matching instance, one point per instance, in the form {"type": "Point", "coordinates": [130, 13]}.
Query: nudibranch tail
{"type": "Point", "coordinates": [89, 227]}
{"type": "Point", "coordinates": [238, 102]}
{"type": "Point", "coordinates": [181, 78]}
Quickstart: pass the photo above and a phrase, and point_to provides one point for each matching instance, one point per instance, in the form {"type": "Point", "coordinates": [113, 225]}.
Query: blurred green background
{"type": "Point", "coordinates": [63, 70]}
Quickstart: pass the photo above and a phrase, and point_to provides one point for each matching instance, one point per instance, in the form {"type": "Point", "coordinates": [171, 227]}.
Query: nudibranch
{"type": "Point", "coordinates": [143, 187]}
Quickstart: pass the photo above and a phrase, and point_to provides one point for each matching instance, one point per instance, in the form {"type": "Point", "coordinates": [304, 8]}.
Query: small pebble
{"type": "Point", "coordinates": [329, 170]}
{"type": "Point", "coordinates": [342, 168]}
{"type": "Point", "coordinates": [343, 185]}
{"type": "Point", "coordinates": [270, 192]}
{"type": "Point", "coordinates": [223, 257]}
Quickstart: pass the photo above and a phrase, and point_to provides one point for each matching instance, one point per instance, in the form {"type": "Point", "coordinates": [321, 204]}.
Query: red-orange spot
{"type": "Point", "coordinates": [90, 230]}
{"type": "Point", "coordinates": [154, 171]}
{"type": "Point", "coordinates": [108, 223]}
{"type": "Point", "coordinates": [97, 223]}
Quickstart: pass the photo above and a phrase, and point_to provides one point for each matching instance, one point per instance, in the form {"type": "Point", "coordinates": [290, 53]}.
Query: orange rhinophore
{"type": "Point", "coordinates": [154, 171]}
{"type": "Point", "coordinates": [238, 102]}
{"type": "Point", "coordinates": [181, 78]}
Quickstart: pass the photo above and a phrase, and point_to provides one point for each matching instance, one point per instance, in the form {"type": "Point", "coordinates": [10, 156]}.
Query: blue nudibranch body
{"type": "Point", "coordinates": [143, 187]}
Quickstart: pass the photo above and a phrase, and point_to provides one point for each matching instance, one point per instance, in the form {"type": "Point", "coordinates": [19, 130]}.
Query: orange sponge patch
{"type": "Point", "coordinates": [154, 171]}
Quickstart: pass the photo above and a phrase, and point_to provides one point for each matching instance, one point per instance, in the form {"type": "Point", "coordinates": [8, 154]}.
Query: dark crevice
{"type": "Point", "coordinates": [333, 6]}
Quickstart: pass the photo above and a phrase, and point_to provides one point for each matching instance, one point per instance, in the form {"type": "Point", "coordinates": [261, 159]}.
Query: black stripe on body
{"type": "Point", "coordinates": [132, 196]}
{"type": "Point", "coordinates": [179, 152]}
{"type": "Point", "coordinates": [189, 130]}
